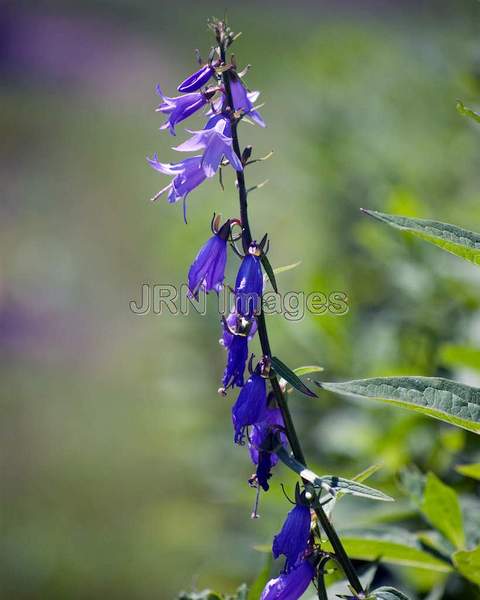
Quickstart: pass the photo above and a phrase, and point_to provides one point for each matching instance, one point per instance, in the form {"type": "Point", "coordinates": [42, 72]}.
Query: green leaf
{"type": "Point", "coordinates": [391, 545]}
{"type": "Point", "coordinates": [269, 271]}
{"type": "Point", "coordinates": [472, 470]}
{"type": "Point", "coordinates": [300, 371]}
{"type": "Point", "coordinates": [368, 472]}
{"type": "Point", "coordinates": [441, 507]}
{"type": "Point", "coordinates": [467, 112]}
{"type": "Point", "coordinates": [330, 483]}
{"type": "Point", "coordinates": [283, 371]}
{"type": "Point", "coordinates": [453, 239]}
{"type": "Point", "coordinates": [386, 593]}
{"type": "Point", "coordinates": [459, 356]}
{"type": "Point", "coordinates": [287, 267]}
{"type": "Point", "coordinates": [454, 403]}
{"type": "Point", "coordinates": [468, 564]}
{"type": "Point", "coordinates": [348, 486]}
{"type": "Point", "coordinates": [260, 582]}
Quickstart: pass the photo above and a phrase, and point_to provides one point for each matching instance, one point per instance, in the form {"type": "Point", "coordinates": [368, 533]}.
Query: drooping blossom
{"type": "Point", "coordinates": [290, 585]}
{"type": "Point", "coordinates": [208, 269]}
{"type": "Point", "coordinates": [292, 540]}
{"type": "Point", "coordinates": [243, 100]}
{"type": "Point", "coordinates": [180, 108]}
{"type": "Point", "coordinates": [217, 143]}
{"type": "Point", "coordinates": [236, 361]}
{"type": "Point", "coordinates": [250, 406]}
{"type": "Point", "coordinates": [261, 435]}
{"type": "Point", "coordinates": [249, 283]}
{"type": "Point", "coordinates": [196, 80]}
{"type": "Point", "coordinates": [187, 175]}
{"type": "Point", "coordinates": [234, 322]}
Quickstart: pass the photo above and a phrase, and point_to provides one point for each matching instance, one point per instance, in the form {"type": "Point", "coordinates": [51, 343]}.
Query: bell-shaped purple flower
{"type": "Point", "coordinates": [261, 435]}
{"type": "Point", "coordinates": [292, 540]}
{"type": "Point", "coordinates": [291, 585]}
{"type": "Point", "coordinates": [233, 323]}
{"type": "Point", "coordinates": [236, 361]}
{"type": "Point", "coordinates": [180, 108]}
{"type": "Point", "coordinates": [243, 100]}
{"type": "Point", "coordinates": [197, 79]}
{"type": "Point", "coordinates": [187, 175]}
{"type": "Point", "coordinates": [250, 405]}
{"type": "Point", "coordinates": [249, 283]}
{"type": "Point", "coordinates": [216, 142]}
{"type": "Point", "coordinates": [208, 268]}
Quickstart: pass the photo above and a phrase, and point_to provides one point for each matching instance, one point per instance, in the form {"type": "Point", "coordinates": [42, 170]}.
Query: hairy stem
{"type": "Point", "coordinates": [290, 430]}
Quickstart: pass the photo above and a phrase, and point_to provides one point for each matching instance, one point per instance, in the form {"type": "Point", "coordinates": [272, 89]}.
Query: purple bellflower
{"type": "Point", "coordinates": [291, 585]}
{"type": "Point", "coordinates": [208, 268]}
{"type": "Point", "coordinates": [243, 100]}
{"type": "Point", "coordinates": [187, 175]}
{"type": "Point", "coordinates": [217, 143]}
{"type": "Point", "coordinates": [250, 406]}
{"type": "Point", "coordinates": [197, 79]}
{"type": "Point", "coordinates": [249, 283]}
{"type": "Point", "coordinates": [261, 435]}
{"type": "Point", "coordinates": [292, 540]}
{"type": "Point", "coordinates": [236, 361]}
{"type": "Point", "coordinates": [180, 108]}
{"type": "Point", "coordinates": [231, 324]}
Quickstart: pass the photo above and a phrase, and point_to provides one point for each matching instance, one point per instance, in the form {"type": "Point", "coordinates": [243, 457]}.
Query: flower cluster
{"type": "Point", "coordinates": [215, 140]}
{"type": "Point", "coordinates": [217, 89]}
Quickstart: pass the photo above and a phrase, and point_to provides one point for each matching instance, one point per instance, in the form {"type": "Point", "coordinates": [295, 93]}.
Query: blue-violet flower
{"type": "Point", "coordinates": [291, 585]}
{"type": "Point", "coordinates": [250, 405]}
{"type": "Point", "coordinates": [197, 79]}
{"type": "Point", "coordinates": [249, 283]}
{"type": "Point", "coordinates": [292, 540]}
{"type": "Point", "coordinates": [208, 268]}
{"type": "Point", "coordinates": [180, 108]}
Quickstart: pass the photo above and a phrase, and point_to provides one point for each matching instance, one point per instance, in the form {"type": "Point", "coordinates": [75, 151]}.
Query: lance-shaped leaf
{"type": "Point", "coordinates": [468, 564]}
{"type": "Point", "coordinates": [453, 239]}
{"type": "Point", "coordinates": [467, 112]}
{"type": "Point", "coordinates": [283, 371]}
{"type": "Point", "coordinates": [300, 371]}
{"type": "Point", "coordinates": [441, 507]}
{"type": "Point", "coordinates": [269, 271]}
{"type": "Point", "coordinates": [390, 545]}
{"type": "Point", "coordinates": [454, 403]}
{"type": "Point", "coordinates": [386, 593]}
{"type": "Point", "coordinates": [472, 470]}
{"type": "Point", "coordinates": [330, 483]}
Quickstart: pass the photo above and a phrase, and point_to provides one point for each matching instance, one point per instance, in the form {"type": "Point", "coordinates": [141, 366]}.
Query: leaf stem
{"type": "Point", "coordinates": [290, 430]}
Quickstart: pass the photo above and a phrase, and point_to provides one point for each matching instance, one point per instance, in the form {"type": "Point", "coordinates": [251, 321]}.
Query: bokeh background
{"type": "Point", "coordinates": [118, 475]}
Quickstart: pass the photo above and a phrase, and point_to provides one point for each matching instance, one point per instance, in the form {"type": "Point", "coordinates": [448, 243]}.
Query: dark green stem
{"type": "Point", "coordinates": [290, 431]}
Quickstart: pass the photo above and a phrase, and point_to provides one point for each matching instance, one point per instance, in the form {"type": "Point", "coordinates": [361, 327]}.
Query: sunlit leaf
{"type": "Point", "coordinates": [467, 112]}
{"type": "Point", "coordinates": [368, 472]}
{"type": "Point", "coordinates": [390, 545]}
{"type": "Point", "coordinates": [468, 564]}
{"type": "Point", "coordinates": [286, 268]}
{"type": "Point", "coordinates": [454, 403]}
{"type": "Point", "coordinates": [441, 507]}
{"type": "Point", "coordinates": [459, 356]}
{"type": "Point", "coordinates": [387, 593]}
{"type": "Point", "coordinates": [331, 483]}
{"type": "Point", "coordinates": [472, 470]}
{"type": "Point", "coordinates": [453, 239]}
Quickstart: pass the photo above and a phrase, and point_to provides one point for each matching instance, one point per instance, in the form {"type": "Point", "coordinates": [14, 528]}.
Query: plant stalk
{"type": "Point", "coordinates": [290, 430]}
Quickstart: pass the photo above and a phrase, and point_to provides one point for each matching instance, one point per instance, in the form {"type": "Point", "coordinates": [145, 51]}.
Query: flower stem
{"type": "Point", "coordinates": [290, 430]}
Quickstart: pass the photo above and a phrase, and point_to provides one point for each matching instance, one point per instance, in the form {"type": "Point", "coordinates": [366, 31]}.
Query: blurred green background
{"type": "Point", "coordinates": [119, 478]}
